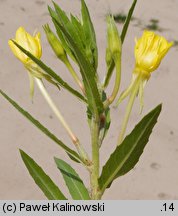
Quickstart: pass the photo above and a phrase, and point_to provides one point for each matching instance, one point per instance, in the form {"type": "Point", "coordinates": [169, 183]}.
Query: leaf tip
{"type": "Point", "coordinates": [158, 108]}
{"type": "Point", "coordinates": [56, 159]}
{"type": "Point", "coordinates": [21, 152]}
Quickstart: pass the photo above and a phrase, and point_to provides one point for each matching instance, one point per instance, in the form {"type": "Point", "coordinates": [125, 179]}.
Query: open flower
{"type": "Point", "coordinates": [28, 42]}
{"type": "Point", "coordinates": [149, 51]}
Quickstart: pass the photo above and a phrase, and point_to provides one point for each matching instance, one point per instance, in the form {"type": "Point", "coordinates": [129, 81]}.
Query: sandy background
{"type": "Point", "coordinates": [156, 174]}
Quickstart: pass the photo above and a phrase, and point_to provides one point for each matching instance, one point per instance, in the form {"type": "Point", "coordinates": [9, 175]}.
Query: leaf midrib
{"type": "Point", "coordinates": [116, 171]}
{"type": "Point", "coordinates": [74, 182]}
{"type": "Point", "coordinates": [41, 179]}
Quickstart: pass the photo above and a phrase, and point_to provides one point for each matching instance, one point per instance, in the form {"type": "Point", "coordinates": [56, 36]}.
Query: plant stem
{"type": "Point", "coordinates": [74, 74]}
{"type": "Point", "coordinates": [117, 61]}
{"type": "Point", "coordinates": [95, 158]}
{"type": "Point", "coordinates": [74, 139]}
{"type": "Point", "coordinates": [128, 111]}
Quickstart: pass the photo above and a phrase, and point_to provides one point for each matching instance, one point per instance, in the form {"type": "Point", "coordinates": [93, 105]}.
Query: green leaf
{"type": "Point", "coordinates": [126, 155]}
{"type": "Point", "coordinates": [89, 34]}
{"type": "Point", "coordinates": [123, 34]}
{"type": "Point", "coordinates": [127, 22]}
{"type": "Point", "coordinates": [41, 127]}
{"type": "Point", "coordinates": [65, 22]}
{"type": "Point", "coordinates": [88, 74]}
{"type": "Point", "coordinates": [49, 71]}
{"type": "Point", "coordinates": [79, 28]}
{"type": "Point", "coordinates": [44, 182]}
{"type": "Point", "coordinates": [75, 185]}
{"type": "Point", "coordinates": [83, 34]}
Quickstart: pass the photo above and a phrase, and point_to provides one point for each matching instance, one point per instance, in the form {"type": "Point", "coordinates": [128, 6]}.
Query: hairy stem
{"type": "Point", "coordinates": [95, 158]}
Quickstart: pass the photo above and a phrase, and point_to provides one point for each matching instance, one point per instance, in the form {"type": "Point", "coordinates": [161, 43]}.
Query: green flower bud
{"type": "Point", "coordinates": [108, 57]}
{"type": "Point", "coordinates": [114, 41]}
{"type": "Point", "coordinates": [55, 43]}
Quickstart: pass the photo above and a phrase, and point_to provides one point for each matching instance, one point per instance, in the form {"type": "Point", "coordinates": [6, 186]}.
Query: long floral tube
{"type": "Point", "coordinates": [74, 139]}
{"type": "Point", "coordinates": [128, 110]}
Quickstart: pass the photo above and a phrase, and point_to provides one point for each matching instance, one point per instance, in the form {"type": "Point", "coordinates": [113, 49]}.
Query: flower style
{"type": "Point", "coordinates": [28, 42]}
{"type": "Point", "coordinates": [149, 51]}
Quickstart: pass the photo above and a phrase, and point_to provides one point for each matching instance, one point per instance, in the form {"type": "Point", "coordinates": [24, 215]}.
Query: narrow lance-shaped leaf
{"type": "Point", "coordinates": [88, 74]}
{"type": "Point", "coordinates": [79, 28]}
{"type": "Point", "coordinates": [127, 154]}
{"type": "Point", "coordinates": [127, 22]}
{"type": "Point", "coordinates": [41, 127]}
{"type": "Point", "coordinates": [65, 21]}
{"type": "Point", "coordinates": [83, 34]}
{"type": "Point", "coordinates": [123, 34]}
{"type": "Point", "coordinates": [90, 34]}
{"type": "Point", "coordinates": [75, 185]}
{"type": "Point", "coordinates": [44, 182]}
{"type": "Point", "coordinates": [51, 73]}
{"type": "Point", "coordinates": [74, 41]}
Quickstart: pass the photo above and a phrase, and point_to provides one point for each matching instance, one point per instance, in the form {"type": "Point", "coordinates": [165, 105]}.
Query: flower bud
{"type": "Point", "coordinates": [114, 41]}
{"type": "Point", "coordinates": [108, 57]}
{"type": "Point", "coordinates": [55, 43]}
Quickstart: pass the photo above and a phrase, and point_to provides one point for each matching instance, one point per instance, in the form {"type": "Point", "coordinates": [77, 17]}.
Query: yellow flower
{"type": "Point", "coordinates": [33, 45]}
{"type": "Point", "coordinates": [149, 51]}
{"type": "Point", "coordinates": [28, 42]}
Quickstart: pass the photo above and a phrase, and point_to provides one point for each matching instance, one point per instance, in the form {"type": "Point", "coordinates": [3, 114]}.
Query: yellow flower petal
{"type": "Point", "coordinates": [150, 50]}
{"type": "Point", "coordinates": [38, 43]}
{"type": "Point", "coordinates": [21, 56]}
{"type": "Point", "coordinates": [28, 42]}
